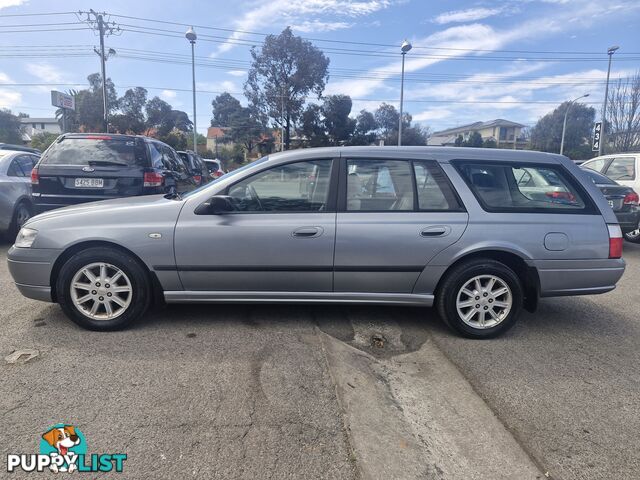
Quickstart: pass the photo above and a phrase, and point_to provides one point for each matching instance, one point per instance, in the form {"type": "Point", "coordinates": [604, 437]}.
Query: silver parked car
{"type": "Point", "coordinates": [480, 233]}
{"type": "Point", "coordinates": [15, 190]}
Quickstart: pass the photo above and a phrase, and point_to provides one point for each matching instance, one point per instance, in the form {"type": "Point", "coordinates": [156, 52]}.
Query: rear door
{"type": "Point", "coordinates": [394, 216]}
{"type": "Point", "coordinates": [79, 169]}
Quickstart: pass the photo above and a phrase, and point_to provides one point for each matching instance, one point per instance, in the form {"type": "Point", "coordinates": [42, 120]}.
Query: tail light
{"type": "Point", "coordinates": [153, 179]}
{"type": "Point", "coordinates": [615, 241]}
{"type": "Point", "coordinates": [631, 199]}
{"type": "Point", "coordinates": [35, 178]}
{"type": "Point", "coordinates": [197, 178]}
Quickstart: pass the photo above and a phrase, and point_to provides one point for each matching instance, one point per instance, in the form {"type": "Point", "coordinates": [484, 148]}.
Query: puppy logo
{"type": "Point", "coordinates": [62, 438]}
{"type": "Point", "coordinates": [63, 443]}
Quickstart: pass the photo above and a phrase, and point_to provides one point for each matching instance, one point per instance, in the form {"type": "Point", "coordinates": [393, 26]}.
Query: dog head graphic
{"type": "Point", "coordinates": [62, 438]}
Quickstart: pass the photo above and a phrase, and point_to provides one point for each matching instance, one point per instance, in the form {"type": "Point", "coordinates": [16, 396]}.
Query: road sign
{"type": "Point", "coordinates": [597, 131]}
{"type": "Point", "coordinates": [62, 100]}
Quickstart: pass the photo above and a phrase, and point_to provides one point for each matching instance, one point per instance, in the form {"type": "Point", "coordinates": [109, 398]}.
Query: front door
{"type": "Point", "coordinates": [395, 215]}
{"type": "Point", "coordinates": [280, 237]}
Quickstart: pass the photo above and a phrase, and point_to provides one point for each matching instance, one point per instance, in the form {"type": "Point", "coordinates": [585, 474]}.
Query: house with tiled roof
{"type": "Point", "coordinates": [507, 134]}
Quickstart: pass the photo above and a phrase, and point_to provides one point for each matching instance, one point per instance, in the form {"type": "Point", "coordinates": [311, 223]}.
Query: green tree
{"type": "Point", "coordinates": [41, 141]}
{"type": "Point", "coordinates": [224, 106]}
{"type": "Point", "coordinates": [312, 127]}
{"type": "Point", "coordinates": [623, 115]}
{"type": "Point", "coordinates": [175, 138]}
{"type": "Point", "coordinates": [474, 140]}
{"type": "Point", "coordinates": [365, 131]}
{"type": "Point", "coordinates": [200, 139]}
{"type": "Point", "coordinates": [547, 132]}
{"type": "Point", "coordinates": [337, 123]}
{"type": "Point", "coordinates": [387, 117]}
{"type": "Point", "coordinates": [131, 119]}
{"type": "Point", "coordinates": [10, 127]}
{"type": "Point", "coordinates": [163, 119]}
{"type": "Point", "coordinates": [284, 72]}
{"type": "Point", "coordinates": [244, 128]}
{"type": "Point", "coordinates": [490, 143]}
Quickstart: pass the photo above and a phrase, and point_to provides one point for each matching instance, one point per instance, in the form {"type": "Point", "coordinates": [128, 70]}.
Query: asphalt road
{"type": "Point", "coordinates": [246, 392]}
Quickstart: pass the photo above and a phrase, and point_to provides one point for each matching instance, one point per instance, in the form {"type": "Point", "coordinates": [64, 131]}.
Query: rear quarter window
{"type": "Point", "coordinates": [532, 188]}
{"type": "Point", "coordinates": [96, 151]}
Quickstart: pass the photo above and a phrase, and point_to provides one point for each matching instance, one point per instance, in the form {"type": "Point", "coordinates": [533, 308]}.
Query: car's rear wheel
{"type": "Point", "coordinates": [633, 236]}
{"type": "Point", "coordinates": [481, 298]}
{"type": "Point", "coordinates": [21, 214]}
{"type": "Point", "coordinates": [102, 288]}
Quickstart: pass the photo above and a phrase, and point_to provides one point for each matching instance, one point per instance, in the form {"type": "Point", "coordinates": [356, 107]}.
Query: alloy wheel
{"type": "Point", "coordinates": [101, 291]}
{"type": "Point", "coordinates": [484, 301]}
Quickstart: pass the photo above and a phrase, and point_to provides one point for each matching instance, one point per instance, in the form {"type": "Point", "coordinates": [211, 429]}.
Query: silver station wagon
{"type": "Point", "coordinates": [479, 233]}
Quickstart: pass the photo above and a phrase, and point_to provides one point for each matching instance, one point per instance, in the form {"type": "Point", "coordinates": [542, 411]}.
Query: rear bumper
{"type": "Point", "coordinates": [31, 271]}
{"type": "Point", "coordinates": [578, 277]}
{"type": "Point", "coordinates": [628, 220]}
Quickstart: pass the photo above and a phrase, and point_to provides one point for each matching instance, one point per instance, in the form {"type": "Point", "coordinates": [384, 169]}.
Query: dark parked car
{"type": "Point", "coordinates": [195, 165]}
{"type": "Point", "coordinates": [85, 167]}
{"type": "Point", "coordinates": [15, 190]}
{"type": "Point", "coordinates": [623, 201]}
{"type": "Point", "coordinates": [19, 148]}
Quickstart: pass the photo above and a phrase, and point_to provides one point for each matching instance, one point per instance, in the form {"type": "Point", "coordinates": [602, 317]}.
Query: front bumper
{"type": "Point", "coordinates": [31, 270]}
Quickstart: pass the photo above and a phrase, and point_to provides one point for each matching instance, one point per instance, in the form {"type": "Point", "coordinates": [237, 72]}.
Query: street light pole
{"type": "Point", "coordinates": [610, 52]}
{"type": "Point", "coordinates": [191, 36]}
{"type": "Point", "coordinates": [564, 124]}
{"type": "Point", "coordinates": [404, 48]}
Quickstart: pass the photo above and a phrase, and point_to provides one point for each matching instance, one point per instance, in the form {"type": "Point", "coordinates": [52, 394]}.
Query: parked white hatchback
{"type": "Point", "coordinates": [622, 168]}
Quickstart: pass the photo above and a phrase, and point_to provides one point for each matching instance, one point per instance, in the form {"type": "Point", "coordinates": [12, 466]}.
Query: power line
{"type": "Point", "coordinates": [230, 30]}
{"type": "Point", "coordinates": [217, 92]}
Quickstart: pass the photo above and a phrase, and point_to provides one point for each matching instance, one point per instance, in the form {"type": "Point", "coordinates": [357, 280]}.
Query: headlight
{"type": "Point", "coordinates": [26, 237]}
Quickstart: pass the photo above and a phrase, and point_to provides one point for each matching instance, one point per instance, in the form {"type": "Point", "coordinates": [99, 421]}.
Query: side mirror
{"type": "Point", "coordinates": [216, 205]}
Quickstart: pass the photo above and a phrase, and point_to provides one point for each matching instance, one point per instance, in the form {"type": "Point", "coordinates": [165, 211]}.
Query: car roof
{"type": "Point", "coordinates": [441, 154]}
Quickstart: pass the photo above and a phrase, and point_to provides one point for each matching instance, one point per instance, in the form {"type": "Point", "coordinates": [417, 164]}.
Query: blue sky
{"type": "Point", "coordinates": [472, 60]}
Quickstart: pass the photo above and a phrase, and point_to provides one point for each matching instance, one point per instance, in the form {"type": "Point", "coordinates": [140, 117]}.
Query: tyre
{"type": "Point", "coordinates": [21, 213]}
{"type": "Point", "coordinates": [480, 298]}
{"type": "Point", "coordinates": [633, 236]}
{"type": "Point", "coordinates": [103, 288]}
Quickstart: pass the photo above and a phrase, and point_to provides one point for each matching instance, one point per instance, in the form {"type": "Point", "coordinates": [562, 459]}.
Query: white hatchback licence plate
{"type": "Point", "coordinates": [89, 182]}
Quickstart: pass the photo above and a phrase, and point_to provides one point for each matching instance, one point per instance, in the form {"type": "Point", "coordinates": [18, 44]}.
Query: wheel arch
{"type": "Point", "coordinates": [156, 288]}
{"type": "Point", "coordinates": [527, 274]}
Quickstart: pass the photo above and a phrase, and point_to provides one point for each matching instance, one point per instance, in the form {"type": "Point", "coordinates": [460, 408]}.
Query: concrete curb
{"type": "Point", "coordinates": [415, 416]}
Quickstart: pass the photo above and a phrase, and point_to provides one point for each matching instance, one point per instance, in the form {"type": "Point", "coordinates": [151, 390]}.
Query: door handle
{"type": "Point", "coordinates": [307, 232]}
{"type": "Point", "coordinates": [436, 231]}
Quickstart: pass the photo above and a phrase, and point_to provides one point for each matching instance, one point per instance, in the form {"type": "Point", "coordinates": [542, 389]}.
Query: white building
{"type": "Point", "coordinates": [33, 126]}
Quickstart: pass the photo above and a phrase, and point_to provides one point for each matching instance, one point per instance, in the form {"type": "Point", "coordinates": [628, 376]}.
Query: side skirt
{"type": "Point", "coordinates": [297, 297]}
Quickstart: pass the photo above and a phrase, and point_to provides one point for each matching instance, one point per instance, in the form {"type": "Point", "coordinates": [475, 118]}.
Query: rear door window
{"type": "Point", "coordinates": [622, 168]}
{"type": "Point", "coordinates": [379, 185]}
{"type": "Point", "coordinates": [435, 193]}
{"type": "Point", "coordinates": [102, 150]}
{"type": "Point", "coordinates": [525, 188]}
{"type": "Point", "coordinates": [597, 165]}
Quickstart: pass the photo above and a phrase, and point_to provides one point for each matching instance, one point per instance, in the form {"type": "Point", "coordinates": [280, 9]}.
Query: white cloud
{"type": "Point", "coordinates": [320, 26]}
{"type": "Point", "coordinates": [168, 94]}
{"type": "Point", "coordinates": [288, 12]}
{"type": "Point", "coordinates": [223, 86]}
{"type": "Point", "coordinates": [237, 73]}
{"type": "Point", "coordinates": [11, 3]}
{"type": "Point", "coordinates": [9, 98]}
{"type": "Point", "coordinates": [45, 72]}
{"type": "Point", "coordinates": [468, 15]}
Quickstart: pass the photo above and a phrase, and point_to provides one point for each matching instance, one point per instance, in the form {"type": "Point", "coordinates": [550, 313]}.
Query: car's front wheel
{"type": "Point", "coordinates": [102, 288]}
{"type": "Point", "coordinates": [21, 214]}
{"type": "Point", "coordinates": [480, 298]}
{"type": "Point", "coordinates": [633, 236]}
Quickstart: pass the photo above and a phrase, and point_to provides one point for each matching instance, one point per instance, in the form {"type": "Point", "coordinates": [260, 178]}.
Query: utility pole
{"type": "Point", "coordinates": [610, 52]}
{"type": "Point", "coordinates": [404, 48]}
{"type": "Point", "coordinates": [192, 37]}
{"type": "Point", "coordinates": [282, 121]}
{"type": "Point", "coordinates": [97, 22]}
